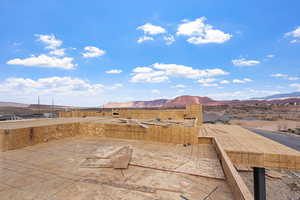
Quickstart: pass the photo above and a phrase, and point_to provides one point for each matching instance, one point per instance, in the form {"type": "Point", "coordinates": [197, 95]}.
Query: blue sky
{"type": "Point", "coordinates": [88, 53]}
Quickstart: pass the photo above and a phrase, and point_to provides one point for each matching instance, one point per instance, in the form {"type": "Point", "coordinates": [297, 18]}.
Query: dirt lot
{"type": "Point", "coordinates": [285, 188]}
{"type": "Point", "coordinates": [267, 125]}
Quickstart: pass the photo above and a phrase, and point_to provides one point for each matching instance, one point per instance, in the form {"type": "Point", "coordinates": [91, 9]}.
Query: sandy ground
{"type": "Point", "coordinates": [285, 188]}
{"type": "Point", "coordinates": [267, 125]}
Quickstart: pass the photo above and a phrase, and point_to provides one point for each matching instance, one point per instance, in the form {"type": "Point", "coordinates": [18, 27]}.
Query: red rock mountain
{"type": "Point", "coordinates": [176, 102]}
{"type": "Point", "coordinates": [181, 101]}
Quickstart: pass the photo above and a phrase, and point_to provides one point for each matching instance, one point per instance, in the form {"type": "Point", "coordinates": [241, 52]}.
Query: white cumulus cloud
{"type": "Point", "coordinates": [244, 63]}
{"type": "Point", "coordinates": [160, 72]}
{"type": "Point", "coordinates": [142, 69]}
{"type": "Point", "coordinates": [186, 71]}
{"type": "Point", "coordinates": [207, 80]}
{"type": "Point", "coordinates": [279, 75]}
{"type": "Point", "coordinates": [151, 29]}
{"type": "Point", "coordinates": [64, 90]}
{"type": "Point", "coordinates": [245, 94]}
{"type": "Point", "coordinates": [44, 61]}
{"type": "Point", "coordinates": [116, 86]}
{"type": "Point", "coordinates": [91, 52]}
{"type": "Point", "coordinates": [296, 85]}
{"type": "Point", "coordinates": [50, 85]}
{"type": "Point", "coordinates": [224, 82]}
{"type": "Point", "coordinates": [144, 38]}
{"type": "Point", "coordinates": [270, 56]}
{"type": "Point", "coordinates": [201, 33]}
{"type": "Point", "coordinates": [292, 78]}
{"type": "Point", "coordinates": [295, 34]}
{"type": "Point", "coordinates": [49, 40]}
{"type": "Point", "coordinates": [169, 39]}
{"type": "Point", "coordinates": [155, 91]}
{"type": "Point", "coordinates": [149, 77]}
{"type": "Point", "coordinates": [245, 80]}
{"type": "Point", "coordinates": [114, 71]}
{"type": "Point", "coordinates": [57, 52]}
{"type": "Point", "coordinates": [285, 76]}
{"type": "Point", "coordinates": [179, 86]}
{"type": "Point", "coordinates": [210, 84]}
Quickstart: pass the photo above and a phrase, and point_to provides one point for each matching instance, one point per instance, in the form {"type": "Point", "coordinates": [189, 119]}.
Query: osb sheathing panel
{"type": "Point", "coordinates": [22, 137]}
{"type": "Point", "coordinates": [84, 114]}
{"type": "Point", "coordinates": [152, 114]}
{"type": "Point", "coordinates": [171, 134]}
{"type": "Point", "coordinates": [191, 111]}
{"type": "Point", "coordinates": [2, 140]}
{"type": "Point", "coordinates": [91, 129]}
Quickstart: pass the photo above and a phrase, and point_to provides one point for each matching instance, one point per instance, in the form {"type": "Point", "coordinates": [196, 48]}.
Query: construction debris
{"type": "Point", "coordinates": [183, 197]}
{"type": "Point", "coordinates": [274, 174]}
{"type": "Point", "coordinates": [122, 120]}
{"type": "Point", "coordinates": [144, 123]}
{"type": "Point", "coordinates": [122, 159]}
{"type": "Point", "coordinates": [242, 168]}
{"type": "Point", "coordinates": [118, 159]}
{"type": "Point", "coordinates": [122, 185]}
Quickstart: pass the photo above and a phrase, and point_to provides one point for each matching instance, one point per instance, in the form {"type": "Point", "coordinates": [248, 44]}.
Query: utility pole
{"type": "Point", "coordinates": [39, 109]}
{"type": "Point", "coordinates": [52, 107]}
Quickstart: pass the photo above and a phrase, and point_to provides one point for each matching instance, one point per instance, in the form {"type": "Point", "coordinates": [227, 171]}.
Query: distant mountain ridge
{"type": "Point", "coordinates": [181, 101]}
{"type": "Point", "coordinates": [176, 102]}
{"type": "Point", "coordinates": [281, 96]}
{"type": "Point", "coordinates": [23, 105]}
{"type": "Point", "coordinates": [13, 104]}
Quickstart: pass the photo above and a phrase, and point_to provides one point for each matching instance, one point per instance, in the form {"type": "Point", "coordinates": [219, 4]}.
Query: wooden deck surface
{"type": "Point", "coordinates": [247, 148]}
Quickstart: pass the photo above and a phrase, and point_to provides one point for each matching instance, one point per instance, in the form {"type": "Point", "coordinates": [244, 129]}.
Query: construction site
{"type": "Point", "coordinates": [141, 154]}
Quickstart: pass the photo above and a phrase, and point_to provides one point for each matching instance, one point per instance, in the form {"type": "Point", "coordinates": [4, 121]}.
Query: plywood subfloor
{"type": "Point", "coordinates": [52, 171]}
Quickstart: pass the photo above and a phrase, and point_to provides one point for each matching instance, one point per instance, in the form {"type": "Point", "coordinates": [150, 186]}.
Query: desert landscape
{"type": "Point", "coordinates": [149, 100]}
